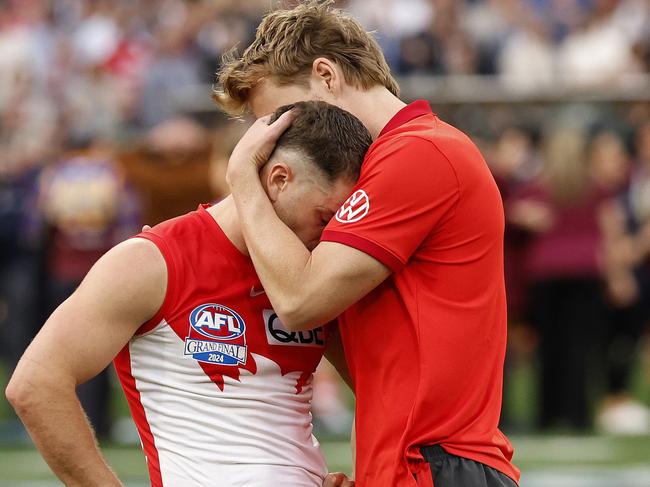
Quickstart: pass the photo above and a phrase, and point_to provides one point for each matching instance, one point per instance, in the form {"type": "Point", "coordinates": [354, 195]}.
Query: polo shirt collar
{"type": "Point", "coordinates": [406, 114]}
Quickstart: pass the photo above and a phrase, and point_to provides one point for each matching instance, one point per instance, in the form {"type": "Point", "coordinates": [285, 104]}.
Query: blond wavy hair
{"type": "Point", "coordinates": [286, 44]}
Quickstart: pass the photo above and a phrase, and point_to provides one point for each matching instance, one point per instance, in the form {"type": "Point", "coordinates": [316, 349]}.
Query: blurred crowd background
{"type": "Point", "coordinates": [106, 123]}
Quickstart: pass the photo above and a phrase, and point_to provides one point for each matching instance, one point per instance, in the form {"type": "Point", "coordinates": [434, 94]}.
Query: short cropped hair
{"type": "Point", "coordinates": [332, 139]}
{"type": "Point", "coordinates": [286, 44]}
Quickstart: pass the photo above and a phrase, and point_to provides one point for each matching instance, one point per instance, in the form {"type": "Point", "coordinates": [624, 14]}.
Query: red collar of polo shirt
{"type": "Point", "coordinates": [406, 114]}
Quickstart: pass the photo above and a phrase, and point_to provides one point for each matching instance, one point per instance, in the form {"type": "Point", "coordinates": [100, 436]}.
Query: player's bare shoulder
{"type": "Point", "coordinates": [132, 276]}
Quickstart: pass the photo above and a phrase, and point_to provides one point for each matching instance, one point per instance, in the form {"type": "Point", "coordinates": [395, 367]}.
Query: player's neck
{"type": "Point", "coordinates": [225, 214]}
{"type": "Point", "coordinates": [375, 108]}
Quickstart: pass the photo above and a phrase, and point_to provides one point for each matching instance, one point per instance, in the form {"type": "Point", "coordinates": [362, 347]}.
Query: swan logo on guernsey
{"type": "Point", "coordinates": [217, 335]}
{"type": "Point", "coordinates": [354, 208]}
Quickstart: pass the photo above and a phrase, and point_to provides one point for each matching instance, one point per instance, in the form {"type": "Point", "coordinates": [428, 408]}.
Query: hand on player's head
{"type": "Point", "coordinates": [257, 145]}
{"type": "Point", "coordinates": [337, 479]}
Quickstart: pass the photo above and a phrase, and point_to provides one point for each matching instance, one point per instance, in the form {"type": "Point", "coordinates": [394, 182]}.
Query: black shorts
{"type": "Point", "coordinates": [449, 470]}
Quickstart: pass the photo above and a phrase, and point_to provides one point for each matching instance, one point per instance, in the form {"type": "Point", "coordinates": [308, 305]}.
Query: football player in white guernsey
{"type": "Point", "coordinates": [309, 176]}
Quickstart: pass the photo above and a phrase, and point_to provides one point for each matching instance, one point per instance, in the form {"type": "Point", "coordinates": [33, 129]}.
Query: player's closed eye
{"type": "Point", "coordinates": [325, 217]}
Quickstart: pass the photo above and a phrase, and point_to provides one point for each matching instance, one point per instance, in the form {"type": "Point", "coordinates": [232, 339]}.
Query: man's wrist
{"type": "Point", "coordinates": [242, 176]}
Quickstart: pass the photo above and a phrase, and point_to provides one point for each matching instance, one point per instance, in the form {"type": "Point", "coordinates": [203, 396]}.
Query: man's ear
{"type": "Point", "coordinates": [277, 176]}
{"type": "Point", "coordinates": [326, 74]}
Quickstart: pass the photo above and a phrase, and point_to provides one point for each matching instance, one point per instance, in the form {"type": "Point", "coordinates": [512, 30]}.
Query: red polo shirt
{"type": "Point", "coordinates": [426, 347]}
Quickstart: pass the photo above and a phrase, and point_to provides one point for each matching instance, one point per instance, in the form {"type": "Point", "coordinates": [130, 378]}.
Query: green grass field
{"type": "Point", "coordinates": [557, 461]}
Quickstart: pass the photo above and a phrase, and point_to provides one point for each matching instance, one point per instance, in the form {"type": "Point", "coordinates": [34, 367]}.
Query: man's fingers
{"type": "Point", "coordinates": [146, 228]}
{"type": "Point", "coordinates": [256, 146]}
{"type": "Point", "coordinates": [333, 479]}
{"type": "Point", "coordinates": [337, 479]}
{"type": "Point", "coordinates": [283, 122]}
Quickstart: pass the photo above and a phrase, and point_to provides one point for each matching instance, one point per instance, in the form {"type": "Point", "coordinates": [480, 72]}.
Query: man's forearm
{"type": "Point", "coordinates": [58, 426]}
{"type": "Point", "coordinates": [281, 259]}
{"type": "Point", "coordinates": [307, 289]}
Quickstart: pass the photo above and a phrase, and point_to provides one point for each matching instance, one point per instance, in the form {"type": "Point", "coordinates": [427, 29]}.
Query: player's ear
{"type": "Point", "coordinates": [277, 177]}
{"type": "Point", "coordinates": [325, 73]}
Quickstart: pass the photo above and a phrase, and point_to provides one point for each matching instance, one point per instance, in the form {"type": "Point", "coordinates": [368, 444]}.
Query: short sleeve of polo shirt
{"type": "Point", "coordinates": [407, 189]}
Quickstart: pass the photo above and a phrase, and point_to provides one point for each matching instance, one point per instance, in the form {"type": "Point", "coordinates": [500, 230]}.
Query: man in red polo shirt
{"type": "Point", "coordinates": [412, 262]}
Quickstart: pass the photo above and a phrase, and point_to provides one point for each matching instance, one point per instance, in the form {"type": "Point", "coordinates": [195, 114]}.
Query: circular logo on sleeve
{"type": "Point", "coordinates": [355, 207]}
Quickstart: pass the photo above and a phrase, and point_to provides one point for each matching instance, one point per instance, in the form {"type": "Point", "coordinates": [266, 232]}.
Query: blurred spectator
{"type": "Point", "coordinates": [526, 60]}
{"type": "Point", "coordinates": [27, 139]}
{"type": "Point", "coordinates": [170, 169]}
{"type": "Point", "coordinates": [97, 34]}
{"type": "Point", "coordinates": [175, 66]}
{"type": "Point", "coordinates": [20, 256]}
{"type": "Point", "coordinates": [490, 23]}
{"type": "Point", "coordinates": [600, 32]}
{"type": "Point", "coordinates": [395, 20]}
{"type": "Point", "coordinates": [88, 209]}
{"type": "Point", "coordinates": [560, 209]}
{"type": "Point", "coordinates": [92, 107]}
{"type": "Point", "coordinates": [514, 162]}
{"type": "Point", "coordinates": [626, 229]}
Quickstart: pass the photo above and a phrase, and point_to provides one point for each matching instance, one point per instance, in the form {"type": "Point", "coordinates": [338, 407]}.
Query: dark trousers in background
{"type": "Point", "coordinates": [571, 318]}
{"type": "Point", "coordinates": [20, 302]}
{"type": "Point", "coordinates": [627, 325]}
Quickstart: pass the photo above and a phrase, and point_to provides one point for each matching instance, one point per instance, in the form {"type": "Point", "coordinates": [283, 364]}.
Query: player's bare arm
{"type": "Point", "coordinates": [306, 288]}
{"type": "Point", "coordinates": [124, 289]}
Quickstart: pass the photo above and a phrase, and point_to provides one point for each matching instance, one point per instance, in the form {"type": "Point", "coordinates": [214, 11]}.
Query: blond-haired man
{"type": "Point", "coordinates": [412, 261]}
